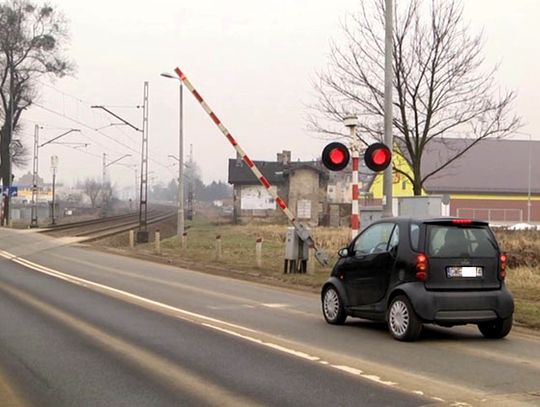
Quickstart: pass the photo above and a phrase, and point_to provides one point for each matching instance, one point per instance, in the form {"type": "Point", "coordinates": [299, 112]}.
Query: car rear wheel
{"type": "Point", "coordinates": [496, 329]}
{"type": "Point", "coordinates": [403, 323]}
{"type": "Point", "coordinates": [332, 306]}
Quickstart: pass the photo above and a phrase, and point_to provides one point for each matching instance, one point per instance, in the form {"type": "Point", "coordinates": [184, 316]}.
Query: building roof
{"type": "Point", "coordinates": [491, 166]}
{"type": "Point", "coordinates": [240, 173]}
{"type": "Point", "coordinates": [275, 172]}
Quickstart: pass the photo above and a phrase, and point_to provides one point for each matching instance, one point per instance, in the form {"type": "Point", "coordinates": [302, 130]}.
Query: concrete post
{"type": "Point", "coordinates": [183, 241]}
{"type": "Point", "coordinates": [219, 251]}
{"type": "Point", "coordinates": [131, 239]}
{"type": "Point", "coordinates": [157, 242]}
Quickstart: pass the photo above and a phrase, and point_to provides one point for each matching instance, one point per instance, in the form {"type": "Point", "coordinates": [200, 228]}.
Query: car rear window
{"type": "Point", "coordinates": [454, 241]}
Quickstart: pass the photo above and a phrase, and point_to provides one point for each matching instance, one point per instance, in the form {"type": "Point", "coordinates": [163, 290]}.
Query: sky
{"type": "Point", "coordinates": [253, 61]}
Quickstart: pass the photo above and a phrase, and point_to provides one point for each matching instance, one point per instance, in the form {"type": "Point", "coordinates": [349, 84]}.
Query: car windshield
{"type": "Point", "coordinates": [454, 241]}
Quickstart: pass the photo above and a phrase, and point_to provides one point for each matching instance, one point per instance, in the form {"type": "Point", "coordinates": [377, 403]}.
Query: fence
{"type": "Point", "coordinates": [492, 214]}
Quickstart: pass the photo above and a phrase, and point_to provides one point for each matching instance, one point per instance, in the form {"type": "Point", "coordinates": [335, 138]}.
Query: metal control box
{"type": "Point", "coordinates": [296, 253]}
{"type": "Point", "coordinates": [295, 249]}
{"type": "Point", "coordinates": [421, 206]}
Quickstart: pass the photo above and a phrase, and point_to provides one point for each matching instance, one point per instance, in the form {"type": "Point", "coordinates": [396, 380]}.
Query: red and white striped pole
{"type": "Point", "coordinates": [355, 212]}
{"type": "Point", "coordinates": [351, 122]}
{"type": "Point", "coordinates": [302, 232]}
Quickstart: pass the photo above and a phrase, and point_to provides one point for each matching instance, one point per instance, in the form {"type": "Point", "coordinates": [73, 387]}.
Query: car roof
{"type": "Point", "coordinates": [435, 220]}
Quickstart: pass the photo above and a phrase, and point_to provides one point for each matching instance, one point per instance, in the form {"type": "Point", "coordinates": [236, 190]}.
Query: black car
{"type": "Point", "coordinates": [408, 272]}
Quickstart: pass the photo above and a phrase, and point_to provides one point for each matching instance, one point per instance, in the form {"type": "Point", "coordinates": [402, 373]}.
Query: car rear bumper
{"type": "Point", "coordinates": [460, 306]}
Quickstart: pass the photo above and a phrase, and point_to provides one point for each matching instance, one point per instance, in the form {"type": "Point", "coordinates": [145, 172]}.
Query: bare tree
{"type": "Point", "coordinates": [92, 189]}
{"type": "Point", "coordinates": [20, 156]}
{"type": "Point", "coordinates": [107, 195]}
{"type": "Point", "coordinates": [31, 45]}
{"type": "Point", "coordinates": [441, 87]}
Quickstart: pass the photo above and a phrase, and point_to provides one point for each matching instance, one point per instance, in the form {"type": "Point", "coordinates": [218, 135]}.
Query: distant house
{"type": "Point", "coordinates": [495, 180]}
{"type": "Point", "coordinates": [301, 184]}
{"type": "Point", "coordinates": [25, 187]}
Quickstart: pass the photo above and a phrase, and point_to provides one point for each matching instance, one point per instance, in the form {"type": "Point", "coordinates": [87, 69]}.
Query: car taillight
{"type": "Point", "coordinates": [502, 266]}
{"type": "Point", "coordinates": [421, 267]}
{"type": "Point", "coordinates": [462, 221]}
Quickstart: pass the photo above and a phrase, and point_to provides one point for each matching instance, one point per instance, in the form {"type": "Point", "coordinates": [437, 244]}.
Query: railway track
{"type": "Point", "coordinates": [96, 229]}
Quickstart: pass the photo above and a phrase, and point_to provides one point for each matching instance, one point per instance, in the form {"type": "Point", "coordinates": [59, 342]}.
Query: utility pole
{"type": "Point", "coordinates": [34, 219]}
{"type": "Point", "coordinates": [529, 184]}
{"type": "Point", "coordinates": [7, 202]}
{"type": "Point", "coordinates": [103, 180]}
{"type": "Point", "coordinates": [136, 183]}
{"type": "Point", "coordinates": [54, 167]}
{"type": "Point", "coordinates": [142, 234]}
{"type": "Point", "coordinates": [190, 186]}
{"type": "Point", "coordinates": [388, 139]}
{"type": "Point", "coordinates": [180, 221]}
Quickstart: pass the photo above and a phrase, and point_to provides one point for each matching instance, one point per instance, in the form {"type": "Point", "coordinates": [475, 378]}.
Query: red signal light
{"type": "Point", "coordinates": [378, 157]}
{"type": "Point", "coordinates": [335, 156]}
{"type": "Point", "coordinates": [381, 156]}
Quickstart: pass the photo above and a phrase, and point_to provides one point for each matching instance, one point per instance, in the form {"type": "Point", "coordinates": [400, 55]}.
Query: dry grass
{"type": "Point", "coordinates": [524, 282]}
{"type": "Point", "coordinates": [522, 247]}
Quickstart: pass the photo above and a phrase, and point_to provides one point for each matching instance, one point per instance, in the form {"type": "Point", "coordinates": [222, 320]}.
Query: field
{"type": "Point", "coordinates": [523, 250]}
{"type": "Point", "coordinates": [237, 257]}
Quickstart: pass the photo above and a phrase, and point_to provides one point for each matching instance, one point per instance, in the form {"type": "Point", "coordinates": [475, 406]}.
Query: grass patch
{"type": "Point", "coordinates": [524, 282]}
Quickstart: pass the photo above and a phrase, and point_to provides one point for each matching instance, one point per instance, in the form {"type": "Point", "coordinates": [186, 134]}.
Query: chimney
{"type": "Point", "coordinates": [285, 158]}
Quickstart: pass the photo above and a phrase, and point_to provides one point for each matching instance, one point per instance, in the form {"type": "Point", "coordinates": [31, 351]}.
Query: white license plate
{"type": "Point", "coordinates": [466, 272]}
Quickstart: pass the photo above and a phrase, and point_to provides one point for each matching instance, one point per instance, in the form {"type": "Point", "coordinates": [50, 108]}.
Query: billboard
{"type": "Point", "coordinates": [256, 197]}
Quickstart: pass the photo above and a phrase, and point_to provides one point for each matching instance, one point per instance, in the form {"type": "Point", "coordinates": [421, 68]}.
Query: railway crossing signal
{"type": "Point", "coordinates": [335, 156]}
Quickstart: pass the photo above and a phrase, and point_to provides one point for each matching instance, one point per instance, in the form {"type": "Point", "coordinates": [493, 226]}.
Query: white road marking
{"type": "Point", "coordinates": [230, 307]}
{"type": "Point", "coordinates": [88, 283]}
{"type": "Point", "coordinates": [377, 379]}
{"type": "Point", "coordinates": [209, 322]}
{"type": "Point", "coordinates": [270, 305]}
{"type": "Point", "coordinates": [348, 369]}
{"type": "Point", "coordinates": [277, 347]}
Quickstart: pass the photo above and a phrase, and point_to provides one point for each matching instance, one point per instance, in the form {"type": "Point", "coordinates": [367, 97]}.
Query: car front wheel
{"type": "Point", "coordinates": [496, 329]}
{"type": "Point", "coordinates": [332, 306]}
{"type": "Point", "coordinates": [403, 323]}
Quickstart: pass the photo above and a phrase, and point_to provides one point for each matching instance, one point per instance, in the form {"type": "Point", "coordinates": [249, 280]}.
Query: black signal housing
{"type": "Point", "coordinates": [377, 157]}
{"type": "Point", "coordinates": [335, 156]}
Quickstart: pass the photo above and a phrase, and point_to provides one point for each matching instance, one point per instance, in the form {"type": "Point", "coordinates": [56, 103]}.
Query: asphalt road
{"type": "Point", "coordinates": [80, 327]}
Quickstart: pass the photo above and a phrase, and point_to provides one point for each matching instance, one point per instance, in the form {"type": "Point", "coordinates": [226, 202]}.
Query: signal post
{"type": "Point", "coordinates": [335, 157]}
{"type": "Point", "coordinates": [351, 123]}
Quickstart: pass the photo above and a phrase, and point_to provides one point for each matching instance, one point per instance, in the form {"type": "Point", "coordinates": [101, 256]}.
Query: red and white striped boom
{"type": "Point", "coordinates": [301, 231]}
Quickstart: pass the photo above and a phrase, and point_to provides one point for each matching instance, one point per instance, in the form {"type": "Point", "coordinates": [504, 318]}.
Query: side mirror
{"type": "Point", "coordinates": [343, 252]}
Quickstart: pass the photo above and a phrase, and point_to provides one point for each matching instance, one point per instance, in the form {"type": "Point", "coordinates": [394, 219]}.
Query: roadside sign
{"type": "Point", "coordinates": [13, 190]}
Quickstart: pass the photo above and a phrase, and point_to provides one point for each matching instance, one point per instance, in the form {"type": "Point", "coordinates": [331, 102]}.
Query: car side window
{"type": "Point", "coordinates": [374, 239]}
{"type": "Point", "coordinates": [415, 236]}
{"type": "Point", "coordinates": [394, 239]}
